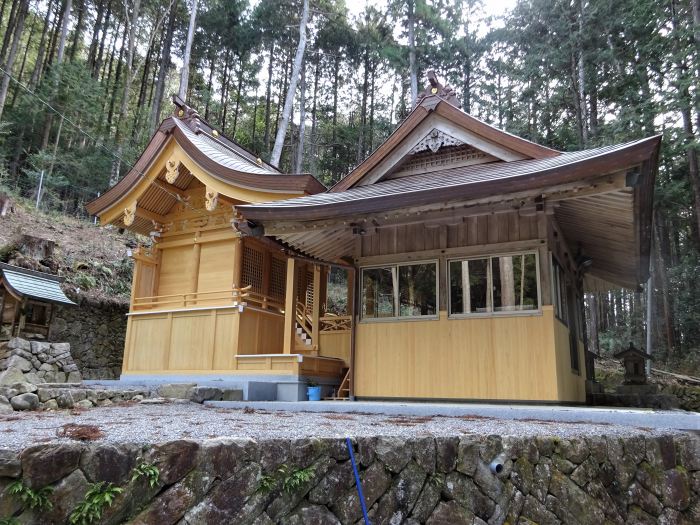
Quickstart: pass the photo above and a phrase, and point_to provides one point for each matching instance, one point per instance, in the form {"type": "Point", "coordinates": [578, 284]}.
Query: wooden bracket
{"type": "Point", "coordinates": [129, 214]}
{"type": "Point", "coordinates": [172, 170]}
{"type": "Point", "coordinates": [211, 199]}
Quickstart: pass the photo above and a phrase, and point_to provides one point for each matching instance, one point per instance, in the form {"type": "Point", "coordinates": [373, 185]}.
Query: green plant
{"type": "Point", "coordinates": [31, 499]}
{"type": "Point", "coordinates": [9, 521]}
{"type": "Point", "coordinates": [436, 479]}
{"type": "Point", "coordinates": [292, 480]}
{"type": "Point", "coordinates": [148, 471]}
{"type": "Point", "coordinates": [265, 484]}
{"type": "Point", "coordinates": [96, 498]}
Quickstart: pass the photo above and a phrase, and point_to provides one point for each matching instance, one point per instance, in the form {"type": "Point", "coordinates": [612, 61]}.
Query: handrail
{"type": "Point", "coordinates": [304, 320]}
{"type": "Point", "coordinates": [234, 296]}
{"type": "Point", "coordinates": [335, 323]}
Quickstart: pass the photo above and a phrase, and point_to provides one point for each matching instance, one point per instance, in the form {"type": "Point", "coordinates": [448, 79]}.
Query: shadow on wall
{"type": "Point", "coordinates": [95, 330]}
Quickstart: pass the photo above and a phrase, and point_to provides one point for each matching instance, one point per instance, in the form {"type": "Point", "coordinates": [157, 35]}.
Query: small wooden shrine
{"type": "Point", "coordinates": [634, 362]}
{"type": "Point", "coordinates": [27, 302]}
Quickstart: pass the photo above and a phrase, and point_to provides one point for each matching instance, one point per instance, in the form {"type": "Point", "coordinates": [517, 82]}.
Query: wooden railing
{"type": "Point", "coordinates": [265, 302]}
{"type": "Point", "coordinates": [304, 320]}
{"type": "Point", "coordinates": [336, 323]}
{"type": "Point", "coordinates": [232, 297]}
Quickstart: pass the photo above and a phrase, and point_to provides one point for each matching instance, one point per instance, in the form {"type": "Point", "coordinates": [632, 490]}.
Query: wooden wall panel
{"type": "Point", "coordinates": [192, 339]}
{"type": "Point", "coordinates": [216, 266]}
{"type": "Point", "coordinates": [572, 386]}
{"type": "Point", "coordinates": [506, 358]}
{"type": "Point", "coordinates": [147, 343]}
{"type": "Point", "coordinates": [260, 333]}
{"type": "Point", "coordinates": [144, 286]}
{"type": "Point", "coordinates": [225, 339]}
{"type": "Point", "coordinates": [335, 344]}
{"type": "Point", "coordinates": [175, 274]}
{"type": "Point", "coordinates": [472, 231]}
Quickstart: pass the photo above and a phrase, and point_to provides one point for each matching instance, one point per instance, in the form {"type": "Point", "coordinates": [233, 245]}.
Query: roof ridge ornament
{"type": "Point", "coordinates": [436, 89]}
{"type": "Point", "coordinates": [188, 115]}
{"type": "Point", "coordinates": [435, 140]}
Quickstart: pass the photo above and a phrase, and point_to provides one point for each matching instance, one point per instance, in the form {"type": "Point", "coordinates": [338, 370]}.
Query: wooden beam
{"type": "Point", "coordinates": [145, 214]}
{"type": "Point", "coordinates": [290, 307]}
{"type": "Point", "coordinates": [237, 262]}
{"type": "Point", "coordinates": [170, 188]}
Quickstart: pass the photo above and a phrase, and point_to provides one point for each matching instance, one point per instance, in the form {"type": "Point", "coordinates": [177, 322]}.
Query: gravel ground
{"type": "Point", "coordinates": [153, 423]}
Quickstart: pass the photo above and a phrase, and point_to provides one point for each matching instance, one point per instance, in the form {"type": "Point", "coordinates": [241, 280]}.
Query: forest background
{"type": "Point", "coordinates": [569, 74]}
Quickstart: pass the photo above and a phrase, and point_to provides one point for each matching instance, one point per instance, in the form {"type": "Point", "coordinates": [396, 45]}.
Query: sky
{"type": "Point", "coordinates": [491, 7]}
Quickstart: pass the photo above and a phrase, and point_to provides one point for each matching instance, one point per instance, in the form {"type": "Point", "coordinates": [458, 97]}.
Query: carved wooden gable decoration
{"type": "Point", "coordinates": [437, 135]}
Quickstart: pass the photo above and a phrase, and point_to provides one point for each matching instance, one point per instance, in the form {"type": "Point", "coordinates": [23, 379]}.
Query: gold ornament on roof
{"type": "Point", "coordinates": [129, 214]}
{"type": "Point", "coordinates": [258, 161]}
{"type": "Point", "coordinates": [215, 133]}
{"type": "Point", "coordinates": [181, 113]}
{"type": "Point", "coordinates": [172, 170]}
{"type": "Point", "coordinates": [211, 199]}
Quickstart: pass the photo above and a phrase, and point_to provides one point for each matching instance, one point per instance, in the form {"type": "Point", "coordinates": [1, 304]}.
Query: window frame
{"type": "Point", "coordinates": [397, 307]}
{"type": "Point", "coordinates": [511, 313]}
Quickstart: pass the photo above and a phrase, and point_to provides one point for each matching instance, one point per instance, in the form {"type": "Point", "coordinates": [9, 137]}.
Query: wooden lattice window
{"type": "Point", "coordinates": [278, 278]}
{"type": "Point", "coordinates": [252, 274]}
{"type": "Point", "coordinates": [451, 155]}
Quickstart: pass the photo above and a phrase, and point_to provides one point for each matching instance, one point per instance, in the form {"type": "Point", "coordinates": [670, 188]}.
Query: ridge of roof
{"type": "Point", "coordinates": [440, 105]}
{"type": "Point", "coordinates": [33, 273]}
{"type": "Point", "coordinates": [34, 284]}
{"type": "Point", "coordinates": [446, 179]}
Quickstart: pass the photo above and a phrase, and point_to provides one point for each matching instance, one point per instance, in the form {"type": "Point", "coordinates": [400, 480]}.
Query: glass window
{"type": "Point", "coordinates": [506, 283]}
{"type": "Point", "coordinates": [377, 292]}
{"type": "Point", "coordinates": [405, 290]}
{"type": "Point", "coordinates": [417, 290]}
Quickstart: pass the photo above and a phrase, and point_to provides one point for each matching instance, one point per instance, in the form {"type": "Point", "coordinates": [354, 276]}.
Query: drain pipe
{"type": "Point", "coordinates": [348, 443]}
{"type": "Point", "coordinates": [496, 466]}
{"type": "Point", "coordinates": [353, 326]}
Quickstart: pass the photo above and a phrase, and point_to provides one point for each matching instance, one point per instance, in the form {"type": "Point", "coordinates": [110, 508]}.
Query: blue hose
{"type": "Point", "coordinates": [357, 481]}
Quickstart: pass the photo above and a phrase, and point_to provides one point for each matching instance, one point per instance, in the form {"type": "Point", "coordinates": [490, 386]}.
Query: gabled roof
{"type": "Point", "coordinates": [443, 109]}
{"type": "Point", "coordinates": [457, 183]}
{"type": "Point", "coordinates": [222, 158]}
{"type": "Point", "coordinates": [33, 285]}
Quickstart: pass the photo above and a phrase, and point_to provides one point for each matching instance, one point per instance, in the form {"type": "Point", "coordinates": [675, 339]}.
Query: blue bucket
{"type": "Point", "coordinates": [314, 393]}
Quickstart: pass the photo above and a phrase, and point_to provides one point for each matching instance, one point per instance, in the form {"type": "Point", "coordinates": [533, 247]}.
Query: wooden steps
{"type": "Point", "coordinates": [343, 392]}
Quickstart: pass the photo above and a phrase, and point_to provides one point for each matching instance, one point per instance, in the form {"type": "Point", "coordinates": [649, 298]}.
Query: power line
{"type": "Point", "coordinates": [98, 142]}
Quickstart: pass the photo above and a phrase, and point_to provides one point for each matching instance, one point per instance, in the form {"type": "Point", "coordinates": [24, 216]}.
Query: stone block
{"type": "Point", "coordinates": [74, 377]}
{"type": "Point", "coordinates": [176, 390]}
{"type": "Point", "coordinates": [10, 464]}
{"type": "Point", "coordinates": [450, 513]}
{"type": "Point", "coordinates": [394, 452]}
{"type": "Point", "coordinates": [200, 394]}
{"type": "Point", "coordinates": [17, 343]}
{"type": "Point", "coordinates": [11, 376]}
{"type": "Point", "coordinates": [20, 363]}
{"type": "Point", "coordinates": [23, 388]}
{"type": "Point", "coordinates": [51, 404]}
{"type": "Point", "coordinates": [65, 496]}
{"type": "Point", "coordinates": [5, 406]}
{"type": "Point", "coordinates": [46, 464]}
{"type": "Point", "coordinates": [26, 401]}
{"type": "Point", "coordinates": [109, 463]}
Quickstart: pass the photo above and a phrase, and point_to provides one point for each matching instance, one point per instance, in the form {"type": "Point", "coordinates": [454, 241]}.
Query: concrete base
{"type": "Point", "coordinates": [255, 387]}
{"type": "Point", "coordinates": [636, 417]}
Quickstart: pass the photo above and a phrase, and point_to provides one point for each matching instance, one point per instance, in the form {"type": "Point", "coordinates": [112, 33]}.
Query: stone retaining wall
{"type": "Point", "coordinates": [426, 480]}
{"type": "Point", "coordinates": [95, 330]}
{"type": "Point", "coordinates": [38, 361]}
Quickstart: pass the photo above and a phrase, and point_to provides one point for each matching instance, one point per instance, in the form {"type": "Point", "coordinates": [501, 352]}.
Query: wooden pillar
{"type": "Point", "coordinates": [194, 282]}
{"type": "Point", "coordinates": [238, 262]}
{"type": "Point", "coordinates": [290, 299]}
{"type": "Point", "coordinates": [135, 279]}
{"type": "Point", "coordinates": [351, 295]}
{"type": "Point", "coordinates": [316, 308]}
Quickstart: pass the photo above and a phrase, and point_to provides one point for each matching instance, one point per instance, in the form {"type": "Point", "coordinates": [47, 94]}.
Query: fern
{"type": "Point", "coordinates": [265, 484]}
{"type": "Point", "coordinates": [9, 521]}
{"type": "Point", "coordinates": [98, 496]}
{"type": "Point", "coordinates": [31, 499]}
{"type": "Point", "coordinates": [293, 480]}
{"type": "Point", "coordinates": [148, 471]}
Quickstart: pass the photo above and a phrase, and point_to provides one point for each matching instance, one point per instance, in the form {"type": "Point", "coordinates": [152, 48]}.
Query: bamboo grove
{"type": "Point", "coordinates": [569, 74]}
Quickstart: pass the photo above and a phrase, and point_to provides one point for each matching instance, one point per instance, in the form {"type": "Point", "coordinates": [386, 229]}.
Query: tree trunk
{"type": "Point", "coordinates": [32, 27]}
{"type": "Point", "coordinates": [224, 90]}
{"type": "Point", "coordinates": [114, 175]}
{"type": "Point", "coordinates": [660, 268]}
{"type": "Point", "coordinates": [163, 70]}
{"type": "Point", "coordinates": [77, 35]}
{"type": "Point", "coordinates": [185, 72]}
{"type": "Point", "coordinates": [36, 73]}
{"type": "Point", "coordinates": [412, 52]}
{"type": "Point", "coordinates": [7, 65]}
{"type": "Point", "coordinates": [210, 81]}
{"type": "Point", "coordinates": [94, 41]}
{"type": "Point", "coordinates": [101, 48]}
{"type": "Point", "coordinates": [65, 18]}
{"type": "Point", "coordinates": [268, 98]}
{"type": "Point", "coordinates": [239, 87]}
{"type": "Point", "coordinates": [11, 24]}
{"type": "Point", "coordinates": [282, 131]}
{"type": "Point", "coordinates": [302, 121]}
